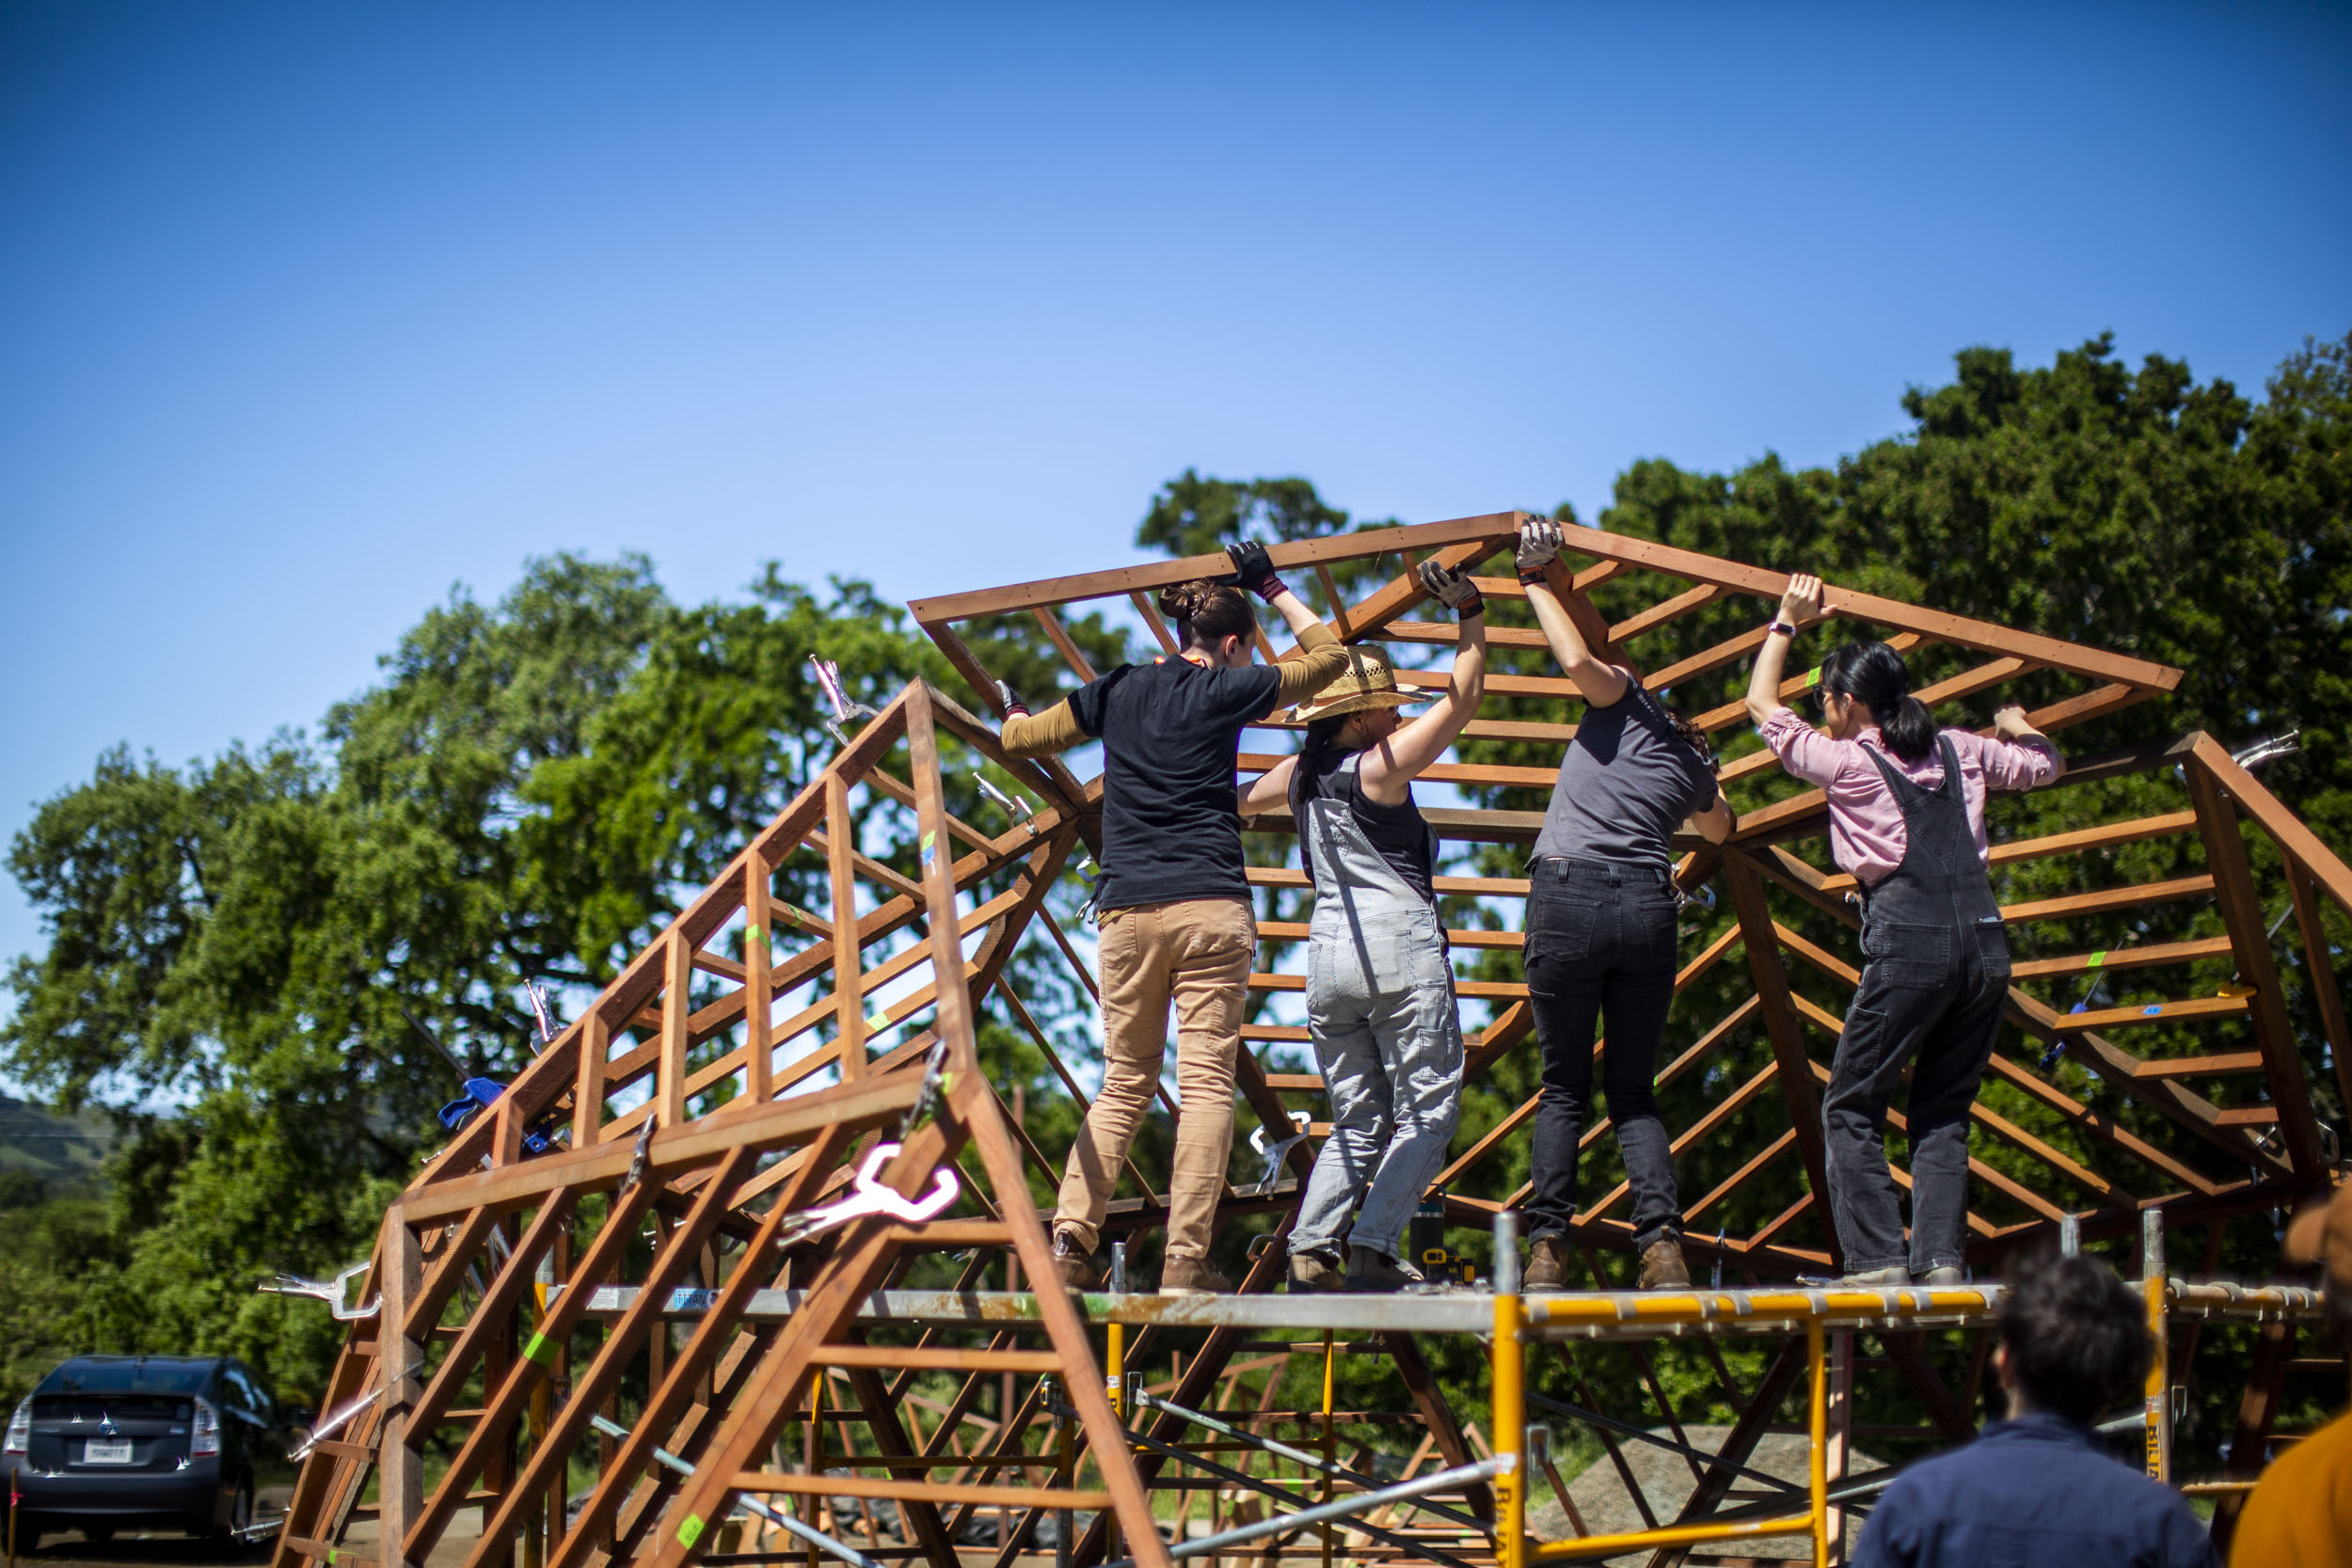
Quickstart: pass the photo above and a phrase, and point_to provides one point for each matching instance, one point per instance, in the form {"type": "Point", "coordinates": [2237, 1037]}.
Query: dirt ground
{"type": "Point", "coordinates": [161, 1549]}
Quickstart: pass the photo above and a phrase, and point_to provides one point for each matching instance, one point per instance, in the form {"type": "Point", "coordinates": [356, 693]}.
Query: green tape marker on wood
{"type": "Point", "coordinates": [1812, 678]}
{"type": "Point", "coordinates": [2097, 959]}
{"type": "Point", "coordinates": [541, 1349]}
{"type": "Point", "coordinates": [691, 1531]}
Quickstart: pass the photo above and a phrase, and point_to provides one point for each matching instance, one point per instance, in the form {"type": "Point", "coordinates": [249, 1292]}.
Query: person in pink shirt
{"type": "Point", "coordinates": [1906, 813]}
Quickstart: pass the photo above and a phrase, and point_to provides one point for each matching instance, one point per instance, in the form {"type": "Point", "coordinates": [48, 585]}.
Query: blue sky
{"type": "Point", "coordinates": [309, 311]}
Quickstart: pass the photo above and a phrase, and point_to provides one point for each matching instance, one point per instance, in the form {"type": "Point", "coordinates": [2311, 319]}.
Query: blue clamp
{"type": "Point", "coordinates": [481, 1093]}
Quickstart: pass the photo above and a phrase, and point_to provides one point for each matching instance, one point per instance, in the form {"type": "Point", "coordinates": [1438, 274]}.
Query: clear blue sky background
{"type": "Point", "coordinates": [307, 311]}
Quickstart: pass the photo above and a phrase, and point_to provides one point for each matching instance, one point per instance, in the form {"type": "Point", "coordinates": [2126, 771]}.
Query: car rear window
{"type": "Point", "coordinates": [128, 1377]}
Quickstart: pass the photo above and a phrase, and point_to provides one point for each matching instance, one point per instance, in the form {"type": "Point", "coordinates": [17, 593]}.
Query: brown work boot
{"type": "Point", "coordinates": [1075, 1268]}
{"type": "Point", "coordinates": [1546, 1265]}
{"type": "Point", "coordinates": [1192, 1276]}
{"type": "Point", "coordinates": [1663, 1268]}
{"type": "Point", "coordinates": [1369, 1269]}
{"type": "Point", "coordinates": [1315, 1271]}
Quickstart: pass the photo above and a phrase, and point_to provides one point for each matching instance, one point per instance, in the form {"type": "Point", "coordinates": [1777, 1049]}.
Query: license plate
{"type": "Point", "coordinates": [95, 1452]}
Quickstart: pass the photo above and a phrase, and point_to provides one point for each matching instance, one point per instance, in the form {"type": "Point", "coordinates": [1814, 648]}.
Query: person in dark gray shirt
{"type": "Point", "coordinates": [1601, 928]}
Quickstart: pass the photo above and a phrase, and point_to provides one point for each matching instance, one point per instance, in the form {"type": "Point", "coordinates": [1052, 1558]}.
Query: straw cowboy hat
{"type": "Point", "coordinates": [1368, 682]}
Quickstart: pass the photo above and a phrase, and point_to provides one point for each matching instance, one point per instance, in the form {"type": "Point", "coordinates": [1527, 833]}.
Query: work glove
{"type": "Point", "coordinates": [1539, 542]}
{"type": "Point", "coordinates": [1010, 701]}
{"type": "Point", "coordinates": [1452, 590]}
{"type": "Point", "coordinates": [1253, 569]}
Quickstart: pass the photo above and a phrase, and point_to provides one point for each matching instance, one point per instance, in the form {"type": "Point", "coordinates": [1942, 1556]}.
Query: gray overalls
{"type": "Point", "coordinates": [1933, 982]}
{"type": "Point", "coordinates": [1381, 1012]}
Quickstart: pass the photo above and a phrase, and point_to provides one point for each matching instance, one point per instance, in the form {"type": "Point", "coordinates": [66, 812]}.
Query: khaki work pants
{"type": "Point", "coordinates": [1195, 953]}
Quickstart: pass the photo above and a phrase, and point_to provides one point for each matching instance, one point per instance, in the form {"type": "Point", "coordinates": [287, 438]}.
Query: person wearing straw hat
{"type": "Point", "coordinates": [1380, 1005]}
{"type": "Point", "coordinates": [2301, 1513]}
{"type": "Point", "coordinates": [1601, 932]}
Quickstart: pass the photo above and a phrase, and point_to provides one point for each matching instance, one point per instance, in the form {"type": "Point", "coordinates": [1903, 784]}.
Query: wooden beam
{"type": "Point", "coordinates": [1780, 1020]}
{"type": "Point", "coordinates": [2242, 913]}
{"type": "Point", "coordinates": [2321, 970]}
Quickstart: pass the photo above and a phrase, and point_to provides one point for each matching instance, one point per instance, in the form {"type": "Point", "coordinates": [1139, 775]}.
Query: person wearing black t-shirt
{"type": "Point", "coordinates": [1176, 923]}
{"type": "Point", "coordinates": [1380, 1007]}
{"type": "Point", "coordinates": [1600, 926]}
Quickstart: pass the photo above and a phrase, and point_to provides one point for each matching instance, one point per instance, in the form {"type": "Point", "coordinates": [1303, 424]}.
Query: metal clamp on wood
{"type": "Point", "coordinates": [336, 1293]}
{"type": "Point", "coordinates": [869, 1194]}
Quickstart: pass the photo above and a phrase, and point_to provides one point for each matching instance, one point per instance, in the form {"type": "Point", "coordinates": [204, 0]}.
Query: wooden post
{"type": "Point", "coordinates": [1783, 1029]}
{"type": "Point", "coordinates": [677, 1008]}
{"type": "Point", "coordinates": [849, 1000]}
{"type": "Point", "coordinates": [400, 1458]}
{"type": "Point", "coordinates": [2242, 911]}
{"type": "Point", "coordinates": [759, 1049]}
{"type": "Point", "coordinates": [2325, 991]}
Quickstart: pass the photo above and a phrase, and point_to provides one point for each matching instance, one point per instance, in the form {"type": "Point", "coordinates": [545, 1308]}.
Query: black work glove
{"type": "Point", "coordinates": [1009, 700]}
{"type": "Point", "coordinates": [1452, 590]}
{"type": "Point", "coordinates": [1254, 568]}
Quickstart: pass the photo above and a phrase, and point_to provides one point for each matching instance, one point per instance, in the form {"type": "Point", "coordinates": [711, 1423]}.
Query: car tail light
{"type": "Point", "coordinates": [19, 1429]}
{"type": "Point", "coordinates": [204, 1436]}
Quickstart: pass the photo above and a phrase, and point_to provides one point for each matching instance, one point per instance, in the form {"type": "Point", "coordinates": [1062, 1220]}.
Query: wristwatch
{"type": "Point", "coordinates": [1778, 624]}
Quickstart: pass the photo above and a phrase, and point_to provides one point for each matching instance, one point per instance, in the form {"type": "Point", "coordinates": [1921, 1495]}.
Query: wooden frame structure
{"type": "Point", "coordinates": [733, 1079]}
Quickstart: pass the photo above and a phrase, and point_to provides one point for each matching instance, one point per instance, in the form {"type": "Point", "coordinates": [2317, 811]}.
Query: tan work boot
{"type": "Point", "coordinates": [1944, 1278]}
{"type": "Point", "coordinates": [1663, 1268]}
{"type": "Point", "coordinates": [1192, 1276]}
{"type": "Point", "coordinates": [1076, 1269]}
{"type": "Point", "coordinates": [1315, 1271]}
{"type": "Point", "coordinates": [1875, 1280]}
{"type": "Point", "coordinates": [1546, 1265]}
{"type": "Point", "coordinates": [1369, 1269]}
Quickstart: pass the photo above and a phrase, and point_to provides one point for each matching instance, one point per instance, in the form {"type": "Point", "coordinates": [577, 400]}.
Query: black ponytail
{"type": "Point", "coordinates": [1321, 735]}
{"type": "Point", "coordinates": [1874, 674]}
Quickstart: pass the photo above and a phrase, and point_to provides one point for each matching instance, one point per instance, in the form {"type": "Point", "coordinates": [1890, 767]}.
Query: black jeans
{"type": "Point", "coordinates": [1600, 947]}
{"type": "Point", "coordinates": [1936, 995]}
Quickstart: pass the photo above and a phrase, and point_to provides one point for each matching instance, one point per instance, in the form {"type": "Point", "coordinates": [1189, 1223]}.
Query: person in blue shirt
{"type": "Point", "coordinates": [2036, 1488]}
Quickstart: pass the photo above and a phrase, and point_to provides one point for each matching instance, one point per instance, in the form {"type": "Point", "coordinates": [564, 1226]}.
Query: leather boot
{"type": "Point", "coordinates": [1316, 1271]}
{"type": "Point", "coordinates": [1074, 1269]}
{"type": "Point", "coordinates": [1192, 1276]}
{"type": "Point", "coordinates": [1546, 1265]}
{"type": "Point", "coordinates": [1372, 1270]}
{"type": "Point", "coordinates": [1663, 1268]}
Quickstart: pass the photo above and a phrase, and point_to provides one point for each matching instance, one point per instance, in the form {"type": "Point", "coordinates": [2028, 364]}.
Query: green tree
{"type": "Point", "coordinates": [531, 792]}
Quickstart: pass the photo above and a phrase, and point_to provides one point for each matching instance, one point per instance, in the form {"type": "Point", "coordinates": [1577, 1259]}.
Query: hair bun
{"type": "Point", "coordinates": [1184, 600]}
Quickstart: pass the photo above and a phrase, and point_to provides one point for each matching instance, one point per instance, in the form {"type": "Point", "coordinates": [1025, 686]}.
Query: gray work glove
{"type": "Point", "coordinates": [1539, 542]}
{"type": "Point", "coordinates": [1010, 701]}
{"type": "Point", "coordinates": [1452, 590]}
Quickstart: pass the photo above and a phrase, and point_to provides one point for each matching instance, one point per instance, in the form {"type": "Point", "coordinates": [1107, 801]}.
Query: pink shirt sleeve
{"type": "Point", "coordinates": [2012, 765]}
{"type": "Point", "coordinates": [1805, 752]}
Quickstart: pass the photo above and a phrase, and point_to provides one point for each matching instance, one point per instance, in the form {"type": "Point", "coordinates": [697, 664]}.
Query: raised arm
{"type": "Point", "coordinates": [1054, 730]}
{"type": "Point", "coordinates": [2036, 760]}
{"type": "Point", "coordinates": [1269, 789]}
{"type": "Point", "coordinates": [1322, 655]}
{"type": "Point", "coordinates": [1800, 604]}
{"type": "Point", "coordinates": [1600, 682]}
{"type": "Point", "coordinates": [1388, 768]}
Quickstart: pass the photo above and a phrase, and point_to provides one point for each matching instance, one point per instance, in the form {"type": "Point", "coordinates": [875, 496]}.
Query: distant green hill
{"type": "Point", "coordinates": [64, 1154]}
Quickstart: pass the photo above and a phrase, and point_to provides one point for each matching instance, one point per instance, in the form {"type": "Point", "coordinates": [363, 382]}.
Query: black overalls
{"type": "Point", "coordinates": [1935, 976]}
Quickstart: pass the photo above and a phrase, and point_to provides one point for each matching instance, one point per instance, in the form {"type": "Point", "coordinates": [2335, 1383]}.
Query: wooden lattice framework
{"type": "Point", "coordinates": [719, 1123]}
